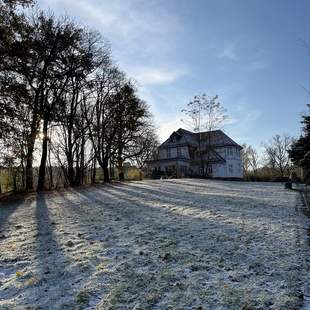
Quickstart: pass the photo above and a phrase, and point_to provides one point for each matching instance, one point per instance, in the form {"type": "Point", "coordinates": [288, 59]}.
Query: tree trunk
{"type": "Point", "coordinates": [42, 169]}
{"type": "Point", "coordinates": [50, 169]}
{"type": "Point", "coordinates": [82, 161]}
{"type": "Point", "coordinates": [23, 173]}
{"type": "Point", "coordinates": [29, 172]}
{"type": "Point", "coordinates": [29, 160]}
{"type": "Point", "coordinates": [35, 122]}
{"type": "Point", "coordinates": [71, 173]}
{"type": "Point", "coordinates": [120, 169]}
{"type": "Point", "coordinates": [70, 160]}
{"type": "Point", "coordinates": [93, 175]}
{"type": "Point", "coordinates": [14, 181]}
{"type": "Point", "coordinates": [106, 175]}
{"type": "Point", "coordinates": [202, 168]}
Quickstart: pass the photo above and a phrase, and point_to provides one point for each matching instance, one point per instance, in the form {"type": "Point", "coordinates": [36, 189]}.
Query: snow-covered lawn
{"type": "Point", "coordinates": [162, 244]}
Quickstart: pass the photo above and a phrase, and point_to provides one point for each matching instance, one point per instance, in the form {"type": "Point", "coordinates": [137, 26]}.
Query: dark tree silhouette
{"type": "Point", "coordinates": [61, 97]}
{"type": "Point", "coordinates": [300, 149]}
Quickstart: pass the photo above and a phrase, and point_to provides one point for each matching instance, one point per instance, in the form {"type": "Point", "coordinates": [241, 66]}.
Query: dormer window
{"type": "Point", "coordinates": [174, 137]}
{"type": "Point", "coordinates": [229, 151]}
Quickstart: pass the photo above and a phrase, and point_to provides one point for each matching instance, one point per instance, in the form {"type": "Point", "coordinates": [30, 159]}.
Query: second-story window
{"type": "Point", "coordinates": [179, 151]}
{"type": "Point", "coordinates": [229, 151]}
{"type": "Point", "coordinates": [168, 153]}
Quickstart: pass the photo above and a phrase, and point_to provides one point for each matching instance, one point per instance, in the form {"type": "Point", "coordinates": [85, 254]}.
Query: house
{"type": "Point", "coordinates": [186, 153]}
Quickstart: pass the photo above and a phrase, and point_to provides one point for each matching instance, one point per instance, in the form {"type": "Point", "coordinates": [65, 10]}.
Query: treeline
{"type": "Point", "coordinates": [63, 98]}
{"type": "Point", "coordinates": [282, 157]}
{"type": "Point", "coordinates": [273, 163]}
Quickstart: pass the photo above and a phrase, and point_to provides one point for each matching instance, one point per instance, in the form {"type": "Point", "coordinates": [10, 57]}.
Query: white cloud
{"type": "Point", "coordinates": [151, 75]}
{"type": "Point", "coordinates": [141, 34]}
{"type": "Point", "coordinates": [126, 20]}
{"type": "Point", "coordinates": [144, 36]}
{"type": "Point", "coordinates": [167, 126]}
{"type": "Point", "coordinates": [230, 121]}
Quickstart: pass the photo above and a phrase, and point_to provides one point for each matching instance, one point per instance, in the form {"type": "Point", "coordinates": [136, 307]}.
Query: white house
{"type": "Point", "coordinates": [211, 154]}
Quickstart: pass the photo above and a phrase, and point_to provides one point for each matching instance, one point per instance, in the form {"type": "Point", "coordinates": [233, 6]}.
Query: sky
{"type": "Point", "coordinates": [251, 53]}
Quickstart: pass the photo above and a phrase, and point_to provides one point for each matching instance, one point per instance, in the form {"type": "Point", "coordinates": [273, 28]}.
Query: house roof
{"type": "Point", "coordinates": [216, 138]}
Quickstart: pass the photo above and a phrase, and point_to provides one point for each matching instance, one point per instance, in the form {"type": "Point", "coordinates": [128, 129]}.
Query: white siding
{"type": "Point", "coordinates": [233, 166]}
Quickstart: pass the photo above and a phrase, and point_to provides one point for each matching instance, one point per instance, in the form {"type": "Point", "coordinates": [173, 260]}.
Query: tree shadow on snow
{"type": "Point", "coordinates": [8, 206]}
{"type": "Point", "coordinates": [199, 202]}
{"type": "Point", "coordinates": [155, 218]}
{"type": "Point", "coordinates": [53, 276]}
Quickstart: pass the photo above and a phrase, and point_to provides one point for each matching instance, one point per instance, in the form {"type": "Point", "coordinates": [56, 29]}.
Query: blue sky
{"type": "Point", "coordinates": [249, 52]}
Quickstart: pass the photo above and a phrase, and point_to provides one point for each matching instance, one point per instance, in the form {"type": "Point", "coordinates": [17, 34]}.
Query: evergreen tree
{"type": "Point", "coordinates": [300, 150]}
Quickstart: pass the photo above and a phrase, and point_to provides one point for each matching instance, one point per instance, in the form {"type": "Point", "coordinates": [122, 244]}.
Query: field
{"type": "Point", "coordinates": [162, 244]}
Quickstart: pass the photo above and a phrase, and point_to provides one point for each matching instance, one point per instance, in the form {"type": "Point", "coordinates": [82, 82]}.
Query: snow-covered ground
{"type": "Point", "coordinates": [162, 244]}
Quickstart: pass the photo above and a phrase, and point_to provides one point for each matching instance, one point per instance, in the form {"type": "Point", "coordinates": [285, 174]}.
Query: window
{"type": "Point", "coordinates": [231, 169]}
{"type": "Point", "coordinates": [170, 169]}
{"type": "Point", "coordinates": [210, 170]}
{"type": "Point", "coordinates": [179, 151]}
{"type": "Point", "coordinates": [230, 151]}
{"type": "Point", "coordinates": [168, 153]}
{"type": "Point", "coordinates": [183, 169]}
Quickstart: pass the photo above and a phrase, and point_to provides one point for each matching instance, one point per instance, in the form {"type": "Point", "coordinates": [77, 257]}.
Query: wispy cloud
{"type": "Point", "coordinates": [153, 76]}
{"type": "Point", "coordinates": [141, 33]}
{"type": "Point", "coordinates": [128, 20]}
{"type": "Point", "coordinates": [244, 122]}
{"type": "Point", "coordinates": [239, 125]}
{"type": "Point", "coordinates": [167, 126]}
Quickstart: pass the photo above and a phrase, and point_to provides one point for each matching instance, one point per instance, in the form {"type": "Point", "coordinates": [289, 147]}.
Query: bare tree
{"type": "Point", "coordinates": [245, 159]}
{"type": "Point", "coordinates": [204, 113]}
{"type": "Point", "coordinates": [99, 112]}
{"type": "Point", "coordinates": [144, 147]}
{"type": "Point", "coordinates": [277, 156]}
{"type": "Point", "coordinates": [73, 135]}
{"type": "Point", "coordinates": [254, 159]}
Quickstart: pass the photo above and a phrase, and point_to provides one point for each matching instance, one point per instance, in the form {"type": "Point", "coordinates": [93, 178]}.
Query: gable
{"type": "Point", "coordinates": [175, 139]}
{"type": "Point", "coordinates": [217, 138]}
